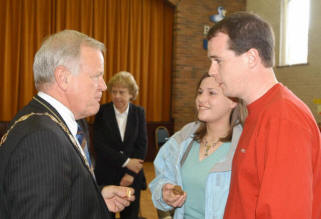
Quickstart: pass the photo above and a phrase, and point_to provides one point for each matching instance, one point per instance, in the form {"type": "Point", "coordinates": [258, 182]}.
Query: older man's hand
{"type": "Point", "coordinates": [117, 197]}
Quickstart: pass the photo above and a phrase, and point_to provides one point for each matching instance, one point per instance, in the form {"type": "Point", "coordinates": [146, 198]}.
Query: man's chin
{"type": "Point", "coordinates": [93, 111]}
{"type": "Point", "coordinates": [229, 94]}
{"type": "Point", "coordinates": [224, 90]}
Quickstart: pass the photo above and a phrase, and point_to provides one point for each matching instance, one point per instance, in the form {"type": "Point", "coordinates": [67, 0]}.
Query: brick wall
{"type": "Point", "coordinates": [190, 59]}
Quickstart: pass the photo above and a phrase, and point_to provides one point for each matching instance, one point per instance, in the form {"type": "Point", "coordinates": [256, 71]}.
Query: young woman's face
{"type": "Point", "coordinates": [211, 104]}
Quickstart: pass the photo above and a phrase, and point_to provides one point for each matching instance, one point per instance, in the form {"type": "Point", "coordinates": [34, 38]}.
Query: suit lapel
{"type": "Point", "coordinates": [46, 107]}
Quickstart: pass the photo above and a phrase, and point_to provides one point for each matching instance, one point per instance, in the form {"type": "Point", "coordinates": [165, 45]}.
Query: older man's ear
{"type": "Point", "coordinates": [62, 77]}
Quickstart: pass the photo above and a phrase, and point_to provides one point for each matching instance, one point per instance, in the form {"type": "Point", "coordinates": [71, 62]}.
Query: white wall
{"type": "Point", "coordinates": [303, 80]}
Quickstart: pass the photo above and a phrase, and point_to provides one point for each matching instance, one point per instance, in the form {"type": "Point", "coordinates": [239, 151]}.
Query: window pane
{"type": "Point", "coordinates": [296, 32]}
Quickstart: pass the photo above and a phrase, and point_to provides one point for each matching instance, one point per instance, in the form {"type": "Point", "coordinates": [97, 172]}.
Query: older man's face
{"type": "Point", "coordinates": [86, 87]}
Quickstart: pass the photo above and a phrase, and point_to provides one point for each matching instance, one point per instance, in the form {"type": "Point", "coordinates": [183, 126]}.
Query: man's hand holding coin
{"type": "Point", "coordinates": [117, 197]}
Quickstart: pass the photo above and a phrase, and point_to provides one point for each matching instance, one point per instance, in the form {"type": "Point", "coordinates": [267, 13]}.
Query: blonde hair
{"type": "Point", "coordinates": [124, 79]}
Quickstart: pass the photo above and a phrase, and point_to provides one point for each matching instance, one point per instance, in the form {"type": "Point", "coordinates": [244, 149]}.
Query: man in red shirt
{"type": "Point", "coordinates": [276, 172]}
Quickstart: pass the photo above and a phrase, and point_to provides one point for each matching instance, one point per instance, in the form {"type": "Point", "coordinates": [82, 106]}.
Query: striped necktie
{"type": "Point", "coordinates": [83, 143]}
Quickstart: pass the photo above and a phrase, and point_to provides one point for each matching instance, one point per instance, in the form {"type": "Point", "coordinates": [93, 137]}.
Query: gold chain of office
{"type": "Point", "coordinates": [65, 129]}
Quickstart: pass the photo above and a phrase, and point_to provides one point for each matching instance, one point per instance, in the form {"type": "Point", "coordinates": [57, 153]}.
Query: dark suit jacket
{"type": "Point", "coordinates": [111, 152]}
{"type": "Point", "coordinates": [42, 174]}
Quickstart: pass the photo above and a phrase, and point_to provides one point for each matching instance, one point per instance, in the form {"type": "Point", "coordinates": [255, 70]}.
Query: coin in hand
{"type": "Point", "coordinates": [177, 190]}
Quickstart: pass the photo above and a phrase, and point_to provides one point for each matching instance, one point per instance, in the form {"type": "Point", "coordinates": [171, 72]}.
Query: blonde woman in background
{"type": "Point", "coordinates": [120, 140]}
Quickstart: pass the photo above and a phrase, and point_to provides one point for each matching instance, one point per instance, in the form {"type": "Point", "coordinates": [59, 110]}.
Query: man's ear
{"type": "Point", "coordinates": [62, 77]}
{"type": "Point", "coordinates": [253, 57]}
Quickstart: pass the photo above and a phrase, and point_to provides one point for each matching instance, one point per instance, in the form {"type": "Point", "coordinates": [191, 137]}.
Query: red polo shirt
{"type": "Point", "coordinates": [276, 172]}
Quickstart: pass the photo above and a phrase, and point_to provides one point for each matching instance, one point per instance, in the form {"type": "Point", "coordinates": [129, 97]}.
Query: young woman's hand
{"type": "Point", "coordinates": [171, 197]}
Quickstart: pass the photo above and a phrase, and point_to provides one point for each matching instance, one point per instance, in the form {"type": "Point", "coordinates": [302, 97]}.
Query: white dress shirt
{"type": "Point", "coordinates": [122, 122]}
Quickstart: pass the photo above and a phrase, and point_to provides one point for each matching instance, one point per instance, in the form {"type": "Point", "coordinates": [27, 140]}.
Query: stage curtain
{"type": "Point", "coordinates": [137, 35]}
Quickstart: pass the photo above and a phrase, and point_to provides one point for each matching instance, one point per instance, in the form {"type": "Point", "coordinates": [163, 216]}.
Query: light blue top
{"type": "Point", "coordinates": [168, 170]}
{"type": "Point", "coordinates": [194, 175]}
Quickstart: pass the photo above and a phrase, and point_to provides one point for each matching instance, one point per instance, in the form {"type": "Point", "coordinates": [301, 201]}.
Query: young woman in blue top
{"type": "Point", "coordinates": [198, 157]}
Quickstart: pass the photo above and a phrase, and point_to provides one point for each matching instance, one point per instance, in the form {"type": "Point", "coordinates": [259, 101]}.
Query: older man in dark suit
{"type": "Point", "coordinates": [44, 172]}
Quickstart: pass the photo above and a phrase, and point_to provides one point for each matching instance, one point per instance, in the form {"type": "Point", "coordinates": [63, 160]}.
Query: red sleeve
{"type": "Point", "coordinates": [285, 170]}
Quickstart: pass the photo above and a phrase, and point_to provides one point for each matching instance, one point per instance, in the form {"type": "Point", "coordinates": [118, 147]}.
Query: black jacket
{"type": "Point", "coordinates": [111, 152]}
{"type": "Point", "coordinates": [42, 174]}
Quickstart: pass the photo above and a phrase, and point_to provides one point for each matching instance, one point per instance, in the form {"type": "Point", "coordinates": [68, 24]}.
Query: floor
{"type": "Point", "coordinates": [148, 210]}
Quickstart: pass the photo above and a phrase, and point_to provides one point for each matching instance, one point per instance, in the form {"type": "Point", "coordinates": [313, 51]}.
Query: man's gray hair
{"type": "Point", "coordinates": [62, 48]}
